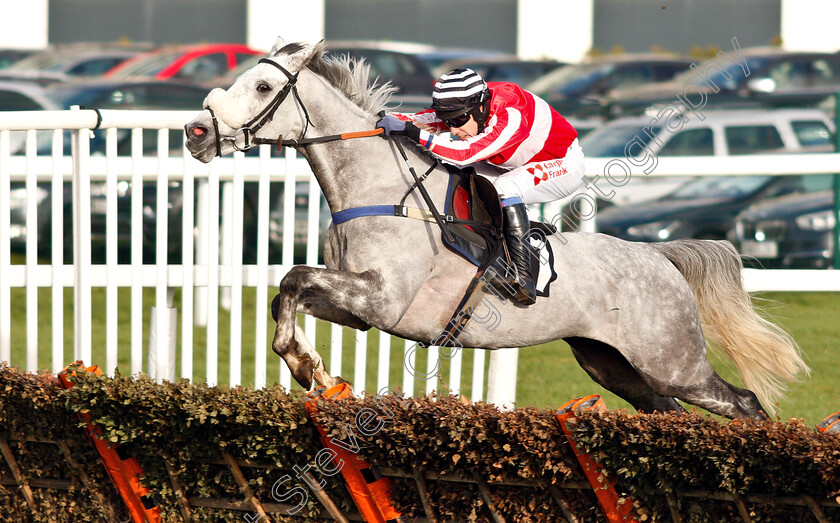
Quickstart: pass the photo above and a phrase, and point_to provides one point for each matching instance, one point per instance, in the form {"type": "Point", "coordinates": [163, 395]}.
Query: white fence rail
{"type": "Point", "coordinates": [211, 276]}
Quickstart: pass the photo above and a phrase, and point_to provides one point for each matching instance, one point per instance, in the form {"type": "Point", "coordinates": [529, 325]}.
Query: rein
{"type": "Point", "coordinates": [291, 142]}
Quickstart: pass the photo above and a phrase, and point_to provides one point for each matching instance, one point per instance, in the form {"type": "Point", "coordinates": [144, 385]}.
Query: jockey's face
{"type": "Point", "coordinates": [468, 130]}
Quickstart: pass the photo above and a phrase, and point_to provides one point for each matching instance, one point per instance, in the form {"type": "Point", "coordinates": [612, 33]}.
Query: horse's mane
{"type": "Point", "coordinates": [350, 76]}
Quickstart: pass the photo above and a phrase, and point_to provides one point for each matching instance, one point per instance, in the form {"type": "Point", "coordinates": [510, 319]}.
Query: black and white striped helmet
{"type": "Point", "coordinates": [457, 90]}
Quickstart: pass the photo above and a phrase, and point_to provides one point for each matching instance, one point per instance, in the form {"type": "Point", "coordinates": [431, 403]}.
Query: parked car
{"type": "Point", "coordinates": [102, 94]}
{"type": "Point", "coordinates": [249, 225]}
{"type": "Point", "coordinates": [719, 133]}
{"type": "Point", "coordinates": [504, 68]}
{"type": "Point", "coordinates": [584, 126]}
{"type": "Point", "coordinates": [703, 208]}
{"type": "Point", "coordinates": [67, 62]}
{"type": "Point", "coordinates": [578, 90]}
{"type": "Point", "coordinates": [10, 56]}
{"type": "Point", "coordinates": [194, 63]}
{"type": "Point", "coordinates": [794, 231]}
{"type": "Point", "coordinates": [131, 94]}
{"type": "Point", "coordinates": [389, 62]}
{"type": "Point", "coordinates": [175, 213]}
{"type": "Point", "coordinates": [402, 68]}
{"type": "Point", "coordinates": [775, 78]}
{"type": "Point", "coordinates": [24, 96]}
{"type": "Point", "coordinates": [436, 57]}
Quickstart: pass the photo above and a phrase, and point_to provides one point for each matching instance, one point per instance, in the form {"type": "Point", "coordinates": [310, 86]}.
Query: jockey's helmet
{"type": "Point", "coordinates": [458, 91]}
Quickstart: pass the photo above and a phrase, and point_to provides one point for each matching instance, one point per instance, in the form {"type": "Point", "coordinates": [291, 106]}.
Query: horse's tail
{"type": "Point", "coordinates": [764, 353]}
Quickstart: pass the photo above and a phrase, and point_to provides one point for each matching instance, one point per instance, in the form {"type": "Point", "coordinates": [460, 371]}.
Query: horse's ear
{"type": "Point", "coordinates": [318, 49]}
{"type": "Point", "coordinates": [278, 44]}
{"type": "Point", "coordinates": [298, 60]}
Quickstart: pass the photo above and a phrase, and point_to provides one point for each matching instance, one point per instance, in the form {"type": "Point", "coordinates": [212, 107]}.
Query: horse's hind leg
{"type": "Point", "coordinates": [610, 369]}
{"type": "Point", "coordinates": [720, 397]}
{"type": "Point", "coordinates": [692, 381]}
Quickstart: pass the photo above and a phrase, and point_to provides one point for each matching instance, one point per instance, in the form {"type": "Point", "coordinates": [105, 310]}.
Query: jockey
{"type": "Point", "coordinates": [504, 125]}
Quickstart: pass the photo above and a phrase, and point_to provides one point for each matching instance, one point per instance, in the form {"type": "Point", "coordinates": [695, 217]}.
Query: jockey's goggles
{"type": "Point", "coordinates": [460, 120]}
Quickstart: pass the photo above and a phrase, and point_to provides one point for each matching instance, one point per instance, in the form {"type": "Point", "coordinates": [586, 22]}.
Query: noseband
{"type": "Point", "coordinates": [249, 130]}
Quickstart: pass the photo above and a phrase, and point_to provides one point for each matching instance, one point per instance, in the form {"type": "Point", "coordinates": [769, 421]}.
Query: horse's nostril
{"type": "Point", "coordinates": [198, 132]}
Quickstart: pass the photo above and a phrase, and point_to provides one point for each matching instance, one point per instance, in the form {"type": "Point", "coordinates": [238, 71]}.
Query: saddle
{"type": "Point", "coordinates": [473, 215]}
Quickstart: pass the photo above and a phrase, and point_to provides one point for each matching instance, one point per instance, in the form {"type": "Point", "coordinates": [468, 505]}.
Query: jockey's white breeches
{"type": "Point", "coordinates": [545, 181]}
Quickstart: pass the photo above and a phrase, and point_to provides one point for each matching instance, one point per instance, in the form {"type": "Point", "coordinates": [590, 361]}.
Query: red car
{"type": "Point", "coordinates": [196, 63]}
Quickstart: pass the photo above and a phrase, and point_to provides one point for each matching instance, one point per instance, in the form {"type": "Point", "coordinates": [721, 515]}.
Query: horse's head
{"type": "Point", "coordinates": [263, 100]}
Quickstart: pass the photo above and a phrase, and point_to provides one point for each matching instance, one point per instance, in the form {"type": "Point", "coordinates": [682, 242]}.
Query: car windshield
{"type": "Point", "coordinates": [37, 62]}
{"type": "Point", "coordinates": [149, 66]}
{"type": "Point", "coordinates": [244, 65]}
{"type": "Point", "coordinates": [610, 141]}
{"type": "Point", "coordinates": [719, 187]}
{"type": "Point", "coordinates": [570, 80]}
{"type": "Point", "coordinates": [721, 70]}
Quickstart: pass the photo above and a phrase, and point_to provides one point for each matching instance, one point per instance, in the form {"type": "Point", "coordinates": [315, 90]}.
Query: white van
{"type": "Point", "coordinates": [719, 133]}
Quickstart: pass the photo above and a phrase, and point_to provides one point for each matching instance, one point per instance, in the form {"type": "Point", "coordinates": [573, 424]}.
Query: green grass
{"type": "Point", "coordinates": [548, 375]}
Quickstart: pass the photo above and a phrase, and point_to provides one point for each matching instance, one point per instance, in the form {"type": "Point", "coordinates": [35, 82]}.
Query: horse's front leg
{"type": "Point", "coordinates": [359, 295]}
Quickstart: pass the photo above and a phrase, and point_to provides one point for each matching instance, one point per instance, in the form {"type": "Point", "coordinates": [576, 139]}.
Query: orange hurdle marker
{"type": "Point", "coordinates": [830, 423]}
{"type": "Point", "coordinates": [369, 490]}
{"type": "Point", "coordinates": [125, 471]}
{"type": "Point", "coordinates": [604, 490]}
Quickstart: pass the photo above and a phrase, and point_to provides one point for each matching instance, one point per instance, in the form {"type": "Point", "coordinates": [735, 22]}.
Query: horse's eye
{"type": "Point", "coordinates": [264, 88]}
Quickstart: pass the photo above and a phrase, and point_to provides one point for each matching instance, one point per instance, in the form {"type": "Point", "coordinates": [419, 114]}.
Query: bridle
{"type": "Point", "coordinates": [250, 129]}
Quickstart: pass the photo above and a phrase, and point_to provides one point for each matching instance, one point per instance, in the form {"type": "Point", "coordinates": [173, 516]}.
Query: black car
{"type": "Point", "coordinates": [404, 70]}
{"type": "Point", "coordinates": [131, 94]}
{"type": "Point", "coordinates": [763, 77]}
{"type": "Point", "coordinates": [249, 222]}
{"type": "Point", "coordinates": [388, 63]}
{"type": "Point", "coordinates": [10, 56]}
{"type": "Point", "coordinates": [790, 232]}
{"type": "Point", "coordinates": [505, 68]}
{"type": "Point", "coordinates": [102, 94]}
{"type": "Point", "coordinates": [69, 62]}
{"type": "Point", "coordinates": [703, 208]}
{"type": "Point", "coordinates": [577, 90]}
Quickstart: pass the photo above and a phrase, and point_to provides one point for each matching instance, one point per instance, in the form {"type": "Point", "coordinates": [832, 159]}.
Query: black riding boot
{"type": "Point", "coordinates": [517, 226]}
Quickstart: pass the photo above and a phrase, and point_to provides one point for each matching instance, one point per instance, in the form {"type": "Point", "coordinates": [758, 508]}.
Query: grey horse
{"type": "Point", "coordinates": [634, 314]}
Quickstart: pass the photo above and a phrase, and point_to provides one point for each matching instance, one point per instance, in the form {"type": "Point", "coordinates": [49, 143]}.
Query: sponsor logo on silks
{"type": "Point", "coordinates": [543, 171]}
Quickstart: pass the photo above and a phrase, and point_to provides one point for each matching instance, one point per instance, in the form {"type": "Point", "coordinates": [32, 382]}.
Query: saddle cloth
{"type": "Point", "coordinates": [474, 217]}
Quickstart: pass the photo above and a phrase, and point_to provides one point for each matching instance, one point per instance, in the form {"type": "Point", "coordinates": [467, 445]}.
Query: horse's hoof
{"type": "Point", "coordinates": [338, 380]}
{"type": "Point", "coordinates": [305, 383]}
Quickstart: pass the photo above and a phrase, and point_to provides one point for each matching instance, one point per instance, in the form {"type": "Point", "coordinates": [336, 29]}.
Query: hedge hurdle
{"type": "Point", "coordinates": [210, 453]}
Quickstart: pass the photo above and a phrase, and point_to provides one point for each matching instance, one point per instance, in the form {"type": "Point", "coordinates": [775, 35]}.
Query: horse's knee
{"type": "Point", "coordinates": [283, 350]}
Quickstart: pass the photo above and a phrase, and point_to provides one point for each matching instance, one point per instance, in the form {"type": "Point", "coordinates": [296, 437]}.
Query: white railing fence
{"type": "Point", "coordinates": [211, 279]}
